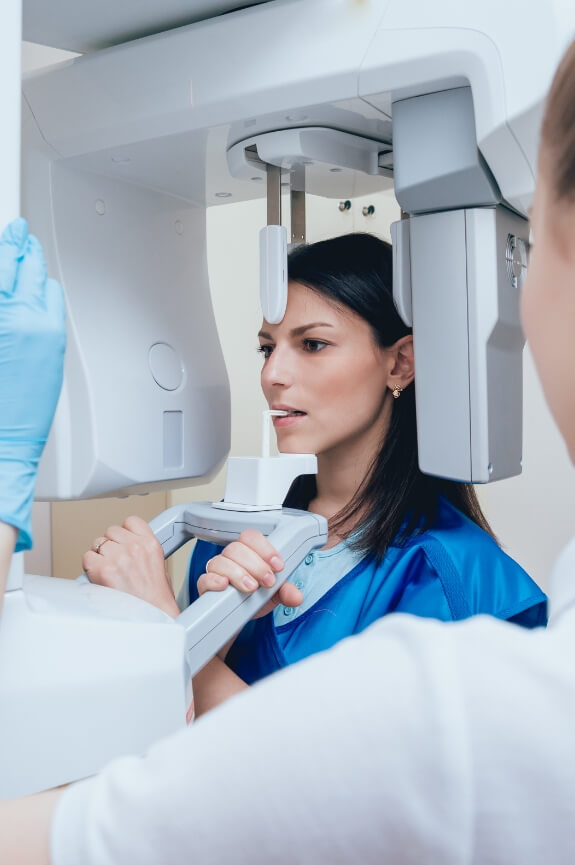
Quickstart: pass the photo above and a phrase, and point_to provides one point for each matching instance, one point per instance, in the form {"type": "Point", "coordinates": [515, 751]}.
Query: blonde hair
{"type": "Point", "coordinates": [558, 129]}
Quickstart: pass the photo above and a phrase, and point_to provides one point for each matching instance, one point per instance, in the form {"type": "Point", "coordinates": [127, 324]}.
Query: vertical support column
{"type": "Point", "coordinates": [297, 198]}
{"type": "Point", "coordinates": [274, 194]}
{"type": "Point", "coordinates": [10, 89]}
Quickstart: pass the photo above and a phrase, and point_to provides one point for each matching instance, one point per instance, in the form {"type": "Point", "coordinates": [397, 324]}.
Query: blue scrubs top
{"type": "Point", "coordinates": [449, 572]}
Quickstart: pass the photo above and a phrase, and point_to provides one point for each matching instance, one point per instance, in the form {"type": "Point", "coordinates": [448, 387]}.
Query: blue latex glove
{"type": "Point", "coordinates": [32, 343]}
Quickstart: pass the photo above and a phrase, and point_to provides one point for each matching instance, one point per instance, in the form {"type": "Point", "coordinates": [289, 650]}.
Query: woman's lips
{"type": "Point", "coordinates": [288, 420]}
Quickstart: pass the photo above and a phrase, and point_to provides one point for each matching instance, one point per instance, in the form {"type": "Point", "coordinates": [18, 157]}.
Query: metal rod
{"type": "Point", "coordinates": [297, 201]}
{"type": "Point", "coordinates": [274, 177]}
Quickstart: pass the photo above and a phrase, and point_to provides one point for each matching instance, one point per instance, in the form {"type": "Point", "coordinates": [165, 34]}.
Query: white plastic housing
{"type": "Point", "coordinates": [86, 674]}
{"type": "Point", "coordinates": [468, 343]}
{"type": "Point", "coordinates": [89, 673]}
{"type": "Point", "coordinates": [111, 22]}
{"type": "Point", "coordinates": [145, 399]}
{"type": "Point", "coordinates": [145, 98]}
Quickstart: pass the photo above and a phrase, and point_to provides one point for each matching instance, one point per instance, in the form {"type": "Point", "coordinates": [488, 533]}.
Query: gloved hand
{"type": "Point", "coordinates": [32, 343]}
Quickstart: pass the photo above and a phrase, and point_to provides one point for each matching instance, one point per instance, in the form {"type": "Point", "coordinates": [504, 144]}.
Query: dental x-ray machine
{"type": "Point", "coordinates": [123, 149]}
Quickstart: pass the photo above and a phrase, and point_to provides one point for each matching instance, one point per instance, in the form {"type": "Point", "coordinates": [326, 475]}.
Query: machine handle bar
{"type": "Point", "coordinates": [214, 618]}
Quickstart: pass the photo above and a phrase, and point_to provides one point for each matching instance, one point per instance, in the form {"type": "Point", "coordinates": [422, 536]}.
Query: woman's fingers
{"type": "Point", "coordinates": [289, 595]}
{"type": "Point", "coordinates": [212, 583]}
{"type": "Point", "coordinates": [139, 527]}
{"type": "Point", "coordinates": [131, 559]}
{"type": "Point", "coordinates": [247, 563]}
{"type": "Point", "coordinates": [260, 545]}
{"type": "Point", "coordinates": [237, 566]}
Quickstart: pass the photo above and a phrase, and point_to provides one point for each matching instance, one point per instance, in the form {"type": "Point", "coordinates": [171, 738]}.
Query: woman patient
{"type": "Point", "coordinates": [341, 364]}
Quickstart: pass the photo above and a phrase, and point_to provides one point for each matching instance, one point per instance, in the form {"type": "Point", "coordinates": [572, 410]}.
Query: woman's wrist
{"type": "Point", "coordinates": [170, 606]}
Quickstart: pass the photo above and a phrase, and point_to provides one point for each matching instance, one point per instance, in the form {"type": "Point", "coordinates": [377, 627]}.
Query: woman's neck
{"type": "Point", "coordinates": [341, 471]}
{"type": "Point", "coordinates": [337, 482]}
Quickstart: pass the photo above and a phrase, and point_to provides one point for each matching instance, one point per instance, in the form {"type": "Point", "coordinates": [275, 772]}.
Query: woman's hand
{"type": "Point", "coordinates": [247, 564]}
{"type": "Point", "coordinates": [130, 558]}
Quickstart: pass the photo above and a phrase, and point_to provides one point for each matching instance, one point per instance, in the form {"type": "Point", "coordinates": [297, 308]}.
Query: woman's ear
{"type": "Point", "coordinates": [403, 370]}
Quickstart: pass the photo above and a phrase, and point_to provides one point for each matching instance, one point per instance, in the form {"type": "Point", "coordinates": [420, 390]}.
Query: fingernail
{"type": "Point", "coordinates": [269, 580]}
{"type": "Point", "coordinates": [249, 583]}
{"type": "Point", "coordinates": [276, 563]}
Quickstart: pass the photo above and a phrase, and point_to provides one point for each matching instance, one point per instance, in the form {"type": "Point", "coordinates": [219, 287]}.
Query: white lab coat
{"type": "Point", "coordinates": [415, 743]}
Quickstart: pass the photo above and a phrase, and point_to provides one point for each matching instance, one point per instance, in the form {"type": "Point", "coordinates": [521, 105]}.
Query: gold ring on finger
{"type": "Point", "coordinates": [97, 547]}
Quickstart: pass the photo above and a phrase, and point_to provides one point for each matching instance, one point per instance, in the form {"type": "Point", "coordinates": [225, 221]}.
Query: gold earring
{"type": "Point", "coordinates": [397, 391]}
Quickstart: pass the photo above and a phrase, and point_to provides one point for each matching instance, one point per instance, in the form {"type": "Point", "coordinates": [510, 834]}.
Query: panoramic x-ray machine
{"type": "Point", "coordinates": [175, 107]}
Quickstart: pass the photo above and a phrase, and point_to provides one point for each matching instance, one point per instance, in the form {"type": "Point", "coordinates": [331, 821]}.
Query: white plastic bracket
{"type": "Point", "coordinates": [273, 272]}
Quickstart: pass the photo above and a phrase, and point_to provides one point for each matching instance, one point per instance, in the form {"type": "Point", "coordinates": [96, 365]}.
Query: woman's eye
{"type": "Point", "coordinates": [266, 350]}
{"type": "Point", "coordinates": [313, 345]}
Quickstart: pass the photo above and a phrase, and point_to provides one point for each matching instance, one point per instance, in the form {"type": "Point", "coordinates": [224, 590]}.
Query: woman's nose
{"type": "Point", "coordinates": [276, 370]}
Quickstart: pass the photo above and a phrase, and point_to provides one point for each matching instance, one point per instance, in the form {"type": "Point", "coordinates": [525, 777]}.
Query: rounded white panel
{"type": "Point", "coordinates": [166, 366]}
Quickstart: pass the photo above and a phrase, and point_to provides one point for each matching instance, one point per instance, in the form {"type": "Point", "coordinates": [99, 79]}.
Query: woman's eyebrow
{"type": "Point", "coordinates": [297, 331]}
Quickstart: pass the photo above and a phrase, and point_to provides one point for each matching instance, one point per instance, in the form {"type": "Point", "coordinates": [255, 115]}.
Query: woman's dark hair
{"type": "Point", "coordinates": [396, 498]}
